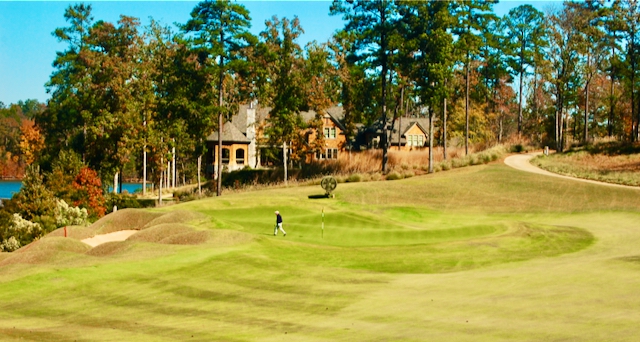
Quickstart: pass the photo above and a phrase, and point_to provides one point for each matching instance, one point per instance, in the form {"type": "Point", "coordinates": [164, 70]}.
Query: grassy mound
{"type": "Point", "coordinates": [161, 232]}
{"type": "Point", "coordinates": [109, 248]}
{"type": "Point", "coordinates": [178, 216]}
{"type": "Point", "coordinates": [74, 232]}
{"type": "Point", "coordinates": [484, 253]}
{"type": "Point", "coordinates": [124, 219]}
{"type": "Point", "coordinates": [46, 250]}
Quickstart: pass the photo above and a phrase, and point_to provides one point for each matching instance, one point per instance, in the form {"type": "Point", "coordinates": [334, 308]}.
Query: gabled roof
{"type": "Point", "coordinates": [405, 125]}
{"type": "Point", "coordinates": [230, 134]}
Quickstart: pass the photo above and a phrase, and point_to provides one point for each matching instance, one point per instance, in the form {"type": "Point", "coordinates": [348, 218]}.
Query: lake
{"type": "Point", "coordinates": [8, 188]}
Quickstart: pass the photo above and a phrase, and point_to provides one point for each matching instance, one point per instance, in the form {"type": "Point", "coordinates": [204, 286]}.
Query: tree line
{"type": "Point", "coordinates": [124, 94]}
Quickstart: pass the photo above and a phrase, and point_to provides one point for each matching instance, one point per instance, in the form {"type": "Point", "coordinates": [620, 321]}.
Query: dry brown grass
{"type": "Point", "coordinates": [160, 232]}
{"type": "Point", "coordinates": [611, 162]}
{"type": "Point", "coordinates": [75, 232]}
{"type": "Point", "coordinates": [110, 248]}
{"type": "Point", "coordinates": [187, 238]}
{"type": "Point", "coordinates": [178, 216]}
{"type": "Point", "coordinates": [46, 250]}
{"type": "Point", "coordinates": [123, 219]}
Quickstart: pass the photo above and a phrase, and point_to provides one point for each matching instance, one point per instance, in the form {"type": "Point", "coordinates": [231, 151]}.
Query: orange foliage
{"type": "Point", "coordinates": [88, 182]}
{"type": "Point", "coordinates": [31, 141]}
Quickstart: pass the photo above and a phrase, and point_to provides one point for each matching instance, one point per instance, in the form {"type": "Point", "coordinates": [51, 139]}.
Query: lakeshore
{"type": "Point", "coordinates": [8, 188]}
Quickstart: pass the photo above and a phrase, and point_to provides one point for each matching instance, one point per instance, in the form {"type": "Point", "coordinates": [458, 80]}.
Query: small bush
{"type": "Point", "coordinates": [121, 201]}
{"type": "Point", "coordinates": [354, 178]}
{"type": "Point", "coordinates": [66, 215]}
{"type": "Point", "coordinates": [394, 176]}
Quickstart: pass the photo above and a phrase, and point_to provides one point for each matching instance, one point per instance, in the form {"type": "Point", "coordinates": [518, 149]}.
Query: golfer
{"type": "Point", "coordinates": [279, 224]}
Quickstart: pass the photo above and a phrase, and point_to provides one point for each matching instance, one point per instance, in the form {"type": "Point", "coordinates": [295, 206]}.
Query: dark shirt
{"type": "Point", "coordinates": [279, 219]}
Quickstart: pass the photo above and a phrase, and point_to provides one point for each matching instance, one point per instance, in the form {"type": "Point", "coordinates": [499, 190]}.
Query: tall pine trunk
{"type": "Point", "coordinates": [466, 106]}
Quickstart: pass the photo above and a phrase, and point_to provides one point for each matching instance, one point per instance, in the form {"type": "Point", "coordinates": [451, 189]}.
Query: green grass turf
{"type": "Point", "coordinates": [484, 253]}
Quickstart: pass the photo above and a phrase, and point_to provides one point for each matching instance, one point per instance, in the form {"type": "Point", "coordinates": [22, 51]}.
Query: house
{"type": "Point", "coordinates": [406, 134]}
{"type": "Point", "coordinates": [410, 134]}
{"type": "Point", "coordinates": [240, 137]}
{"type": "Point", "coordinates": [239, 143]}
{"type": "Point", "coordinates": [334, 139]}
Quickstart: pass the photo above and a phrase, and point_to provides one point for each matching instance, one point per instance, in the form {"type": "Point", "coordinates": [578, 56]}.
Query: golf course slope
{"type": "Point", "coordinates": [484, 253]}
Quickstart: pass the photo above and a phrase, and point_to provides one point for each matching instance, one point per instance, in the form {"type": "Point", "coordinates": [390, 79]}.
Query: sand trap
{"type": "Point", "coordinates": [116, 236]}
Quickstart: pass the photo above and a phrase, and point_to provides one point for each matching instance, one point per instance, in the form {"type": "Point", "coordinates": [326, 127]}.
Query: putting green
{"type": "Point", "coordinates": [484, 253]}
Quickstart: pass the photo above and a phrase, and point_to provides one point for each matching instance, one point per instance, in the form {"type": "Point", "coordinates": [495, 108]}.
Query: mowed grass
{"type": "Point", "coordinates": [484, 253]}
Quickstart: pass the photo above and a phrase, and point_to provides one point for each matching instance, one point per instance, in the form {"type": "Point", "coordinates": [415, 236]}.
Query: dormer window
{"type": "Point", "coordinates": [329, 132]}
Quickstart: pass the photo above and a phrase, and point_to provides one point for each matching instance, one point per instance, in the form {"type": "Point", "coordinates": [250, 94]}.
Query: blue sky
{"type": "Point", "coordinates": [27, 48]}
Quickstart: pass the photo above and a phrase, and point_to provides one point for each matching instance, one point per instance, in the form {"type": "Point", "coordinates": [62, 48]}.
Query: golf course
{"type": "Point", "coordinates": [481, 253]}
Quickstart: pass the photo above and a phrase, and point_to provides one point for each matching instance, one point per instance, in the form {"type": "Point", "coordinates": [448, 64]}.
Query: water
{"type": "Point", "coordinates": [8, 188]}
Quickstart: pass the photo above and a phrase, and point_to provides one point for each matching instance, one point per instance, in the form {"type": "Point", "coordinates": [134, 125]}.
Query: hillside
{"type": "Point", "coordinates": [485, 253]}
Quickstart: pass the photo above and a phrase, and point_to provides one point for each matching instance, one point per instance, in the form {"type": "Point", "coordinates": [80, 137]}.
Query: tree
{"type": "Point", "coordinates": [373, 25]}
{"type": "Point", "coordinates": [473, 17]}
{"type": "Point", "coordinates": [630, 10]}
{"type": "Point", "coordinates": [430, 53]}
{"type": "Point", "coordinates": [564, 57]}
{"type": "Point", "coordinates": [591, 48]}
{"type": "Point", "coordinates": [31, 141]}
{"type": "Point", "coordinates": [63, 121]}
{"type": "Point", "coordinates": [220, 31]}
{"type": "Point", "coordinates": [525, 31]}
{"type": "Point", "coordinates": [283, 87]}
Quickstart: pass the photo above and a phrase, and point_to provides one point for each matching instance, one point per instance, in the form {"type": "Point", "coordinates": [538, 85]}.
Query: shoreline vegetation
{"type": "Point", "coordinates": [609, 162]}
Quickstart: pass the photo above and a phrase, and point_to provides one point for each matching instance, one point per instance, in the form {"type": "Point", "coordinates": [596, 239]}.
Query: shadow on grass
{"type": "Point", "coordinates": [610, 148]}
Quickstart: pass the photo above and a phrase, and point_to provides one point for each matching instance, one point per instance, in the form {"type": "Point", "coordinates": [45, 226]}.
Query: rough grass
{"type": "Point", "coordinates": [610, 162]}
{"type": "Point", "coordinates": [171, 233]}
{"type": "Point", "coordinates": [123, 220]}
{"type": "Point", "coordinates": [484, 253]}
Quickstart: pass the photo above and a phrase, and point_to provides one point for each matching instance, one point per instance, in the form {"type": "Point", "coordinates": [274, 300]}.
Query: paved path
{"type": "Point", "coordinates": [116, 236]}
{"type": "Point", "coordinates": [522, 162]}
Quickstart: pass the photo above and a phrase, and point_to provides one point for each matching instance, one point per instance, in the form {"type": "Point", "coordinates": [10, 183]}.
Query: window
{"type": "Point", "coordinates": [240, 156]}
{"type": "Point", "coordinates": [329, 153]}
{"type": "Point", "coordinates": [329, 132]}
{"type": "Point", "coordinates": [332, 153]}
{"type": "Point", "coordinates": [415, 140]}
{"type": "Point", "coordinates": [225, 156]}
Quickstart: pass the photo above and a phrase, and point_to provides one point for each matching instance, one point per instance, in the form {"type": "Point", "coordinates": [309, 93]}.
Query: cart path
{"type": "Point", "coordinates": [522, 162]}
{"type": "Point", "coordinates": [103, 238]}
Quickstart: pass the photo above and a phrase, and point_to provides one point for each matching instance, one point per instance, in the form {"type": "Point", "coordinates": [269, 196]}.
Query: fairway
{"type": "Point", "coordinates": [484, 253]}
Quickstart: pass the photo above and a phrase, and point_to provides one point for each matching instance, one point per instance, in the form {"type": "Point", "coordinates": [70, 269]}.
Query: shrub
{"type": "Point", "coordinates": [33, 199]}
{"type": "Point", "coordinates": [354, 178]}
{"type": "Point", "coordinates": [121, 201]}
{"type": "Point", "coordinates": [66, 215]}
{"type": "Point", "coordinates": [9, 245]}
{"type": "Point", "coordinates": [394, 176]}
{"type": "Point", "coordinates": [19, 233]}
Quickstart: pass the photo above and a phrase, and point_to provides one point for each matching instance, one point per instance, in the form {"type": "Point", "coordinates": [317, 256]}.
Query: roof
{"type": "Point", "coordinates": [230, 133]}
{"type": "Point", "coordinates": [405, 125]}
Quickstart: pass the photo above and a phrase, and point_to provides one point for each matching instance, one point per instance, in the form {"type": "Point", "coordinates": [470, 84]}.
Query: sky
{"type": "Point", "coordinates": [27, 47]}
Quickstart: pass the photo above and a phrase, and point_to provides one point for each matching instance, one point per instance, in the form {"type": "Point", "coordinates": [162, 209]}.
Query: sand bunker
{"type": "Point", "coordinates": [110, 237]}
